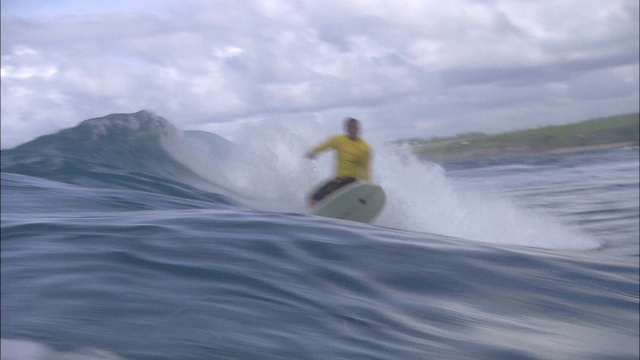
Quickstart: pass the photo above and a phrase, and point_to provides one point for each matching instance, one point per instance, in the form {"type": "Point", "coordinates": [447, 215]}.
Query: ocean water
{"type": "Point", "coordinates": [127, 238]}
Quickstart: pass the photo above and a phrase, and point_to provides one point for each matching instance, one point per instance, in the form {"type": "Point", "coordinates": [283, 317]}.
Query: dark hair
{"type": "Point", "coordinates": [348, 121]}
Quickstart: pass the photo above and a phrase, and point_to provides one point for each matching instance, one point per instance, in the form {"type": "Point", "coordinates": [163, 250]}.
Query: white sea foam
{"type": "Point", "coordinates": [422, 198]}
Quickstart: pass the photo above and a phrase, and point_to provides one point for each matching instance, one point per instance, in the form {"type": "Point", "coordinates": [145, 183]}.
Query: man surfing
{"type": "Point", "coordinates": [352, 159]}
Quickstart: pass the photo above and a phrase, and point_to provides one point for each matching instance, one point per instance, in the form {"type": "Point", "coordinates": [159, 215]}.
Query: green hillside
{"type": "Point", "coordinates": [602, 132]}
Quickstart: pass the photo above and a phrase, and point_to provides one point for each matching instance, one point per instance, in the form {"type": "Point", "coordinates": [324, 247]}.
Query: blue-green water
{"type": "Point", "coordinates": [123, 238]}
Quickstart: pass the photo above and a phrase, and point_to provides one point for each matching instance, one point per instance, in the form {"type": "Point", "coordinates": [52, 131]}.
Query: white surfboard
{"type": "Point", "coordinates": [358, 201]}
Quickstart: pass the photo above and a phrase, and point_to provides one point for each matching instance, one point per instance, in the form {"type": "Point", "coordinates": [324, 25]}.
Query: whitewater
{"type": "Point", "coordinates": [127, 238]}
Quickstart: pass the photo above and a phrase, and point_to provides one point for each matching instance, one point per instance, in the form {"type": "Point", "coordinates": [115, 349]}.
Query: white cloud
{"type": "Point", "coordinates": [428, 67]}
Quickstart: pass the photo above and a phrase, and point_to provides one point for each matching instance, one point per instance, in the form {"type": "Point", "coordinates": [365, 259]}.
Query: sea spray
{"type": "Point", "coordinates": [421, 197]}
{"type": "Point", "coordinates": [264, 168]}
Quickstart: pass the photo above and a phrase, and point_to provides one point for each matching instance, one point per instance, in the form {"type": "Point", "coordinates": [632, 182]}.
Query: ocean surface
{"type": "Point", "coordinates": [127, 238]}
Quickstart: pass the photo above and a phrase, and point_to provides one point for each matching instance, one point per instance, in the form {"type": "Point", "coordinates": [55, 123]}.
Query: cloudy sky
{"type": "Point", "coordinates": [406, 68]}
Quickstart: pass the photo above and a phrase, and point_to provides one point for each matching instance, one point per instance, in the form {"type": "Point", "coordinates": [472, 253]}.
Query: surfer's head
{"type": "Point", "coordinates": [353, 127]}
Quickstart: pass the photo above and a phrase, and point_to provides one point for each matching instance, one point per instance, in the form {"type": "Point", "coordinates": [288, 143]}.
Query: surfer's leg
{"type": "Point", "coordinates": [343, 182]}
{"type": "Point", "coordinates": [328, 188]}
{"type": "Point", "coordinates": [325, 190]}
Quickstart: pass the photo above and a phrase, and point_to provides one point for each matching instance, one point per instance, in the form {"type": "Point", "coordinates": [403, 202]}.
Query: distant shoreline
{"type": "Point", "coordinates": [594, 147]}
{"type": "Point", "coordinates": [481, 154]}
{"type": "Point", "coordinates": [595, 134]}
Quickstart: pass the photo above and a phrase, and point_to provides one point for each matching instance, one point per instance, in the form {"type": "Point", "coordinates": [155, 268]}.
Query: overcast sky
{"type": "Point", "coordinates": [406, 68]}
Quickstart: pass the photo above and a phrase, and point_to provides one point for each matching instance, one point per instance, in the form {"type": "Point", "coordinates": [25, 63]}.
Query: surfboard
{"type": "Point", "coordinates": [358, 201]}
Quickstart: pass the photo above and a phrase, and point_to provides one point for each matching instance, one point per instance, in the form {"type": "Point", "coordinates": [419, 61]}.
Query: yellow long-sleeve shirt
{"type": "Point", "coordinates": [352, 156]}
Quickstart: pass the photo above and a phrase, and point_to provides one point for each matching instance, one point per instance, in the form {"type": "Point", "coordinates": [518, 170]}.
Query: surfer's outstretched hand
{"type": "Point", "coordinates": [311, 155]}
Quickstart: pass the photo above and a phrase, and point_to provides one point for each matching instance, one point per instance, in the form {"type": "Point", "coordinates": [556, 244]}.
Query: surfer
{"type": "Point", "coordinates": [352, 159]}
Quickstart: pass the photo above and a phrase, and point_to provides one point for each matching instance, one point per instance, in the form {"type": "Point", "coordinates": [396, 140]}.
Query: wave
{"type": "Point", "coordinates": [265, 169]}
{"type": "Point", "coordinates": [127, 141]}
{"type": "Point", "coordinates": [121, 151]}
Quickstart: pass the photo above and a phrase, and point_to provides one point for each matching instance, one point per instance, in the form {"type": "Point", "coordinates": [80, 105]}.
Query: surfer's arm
{"type": "Point", "coordinates": [321, 147]}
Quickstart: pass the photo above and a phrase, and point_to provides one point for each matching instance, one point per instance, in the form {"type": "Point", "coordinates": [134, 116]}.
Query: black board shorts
{"type": "Point", "coordinates": [331, 186]}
